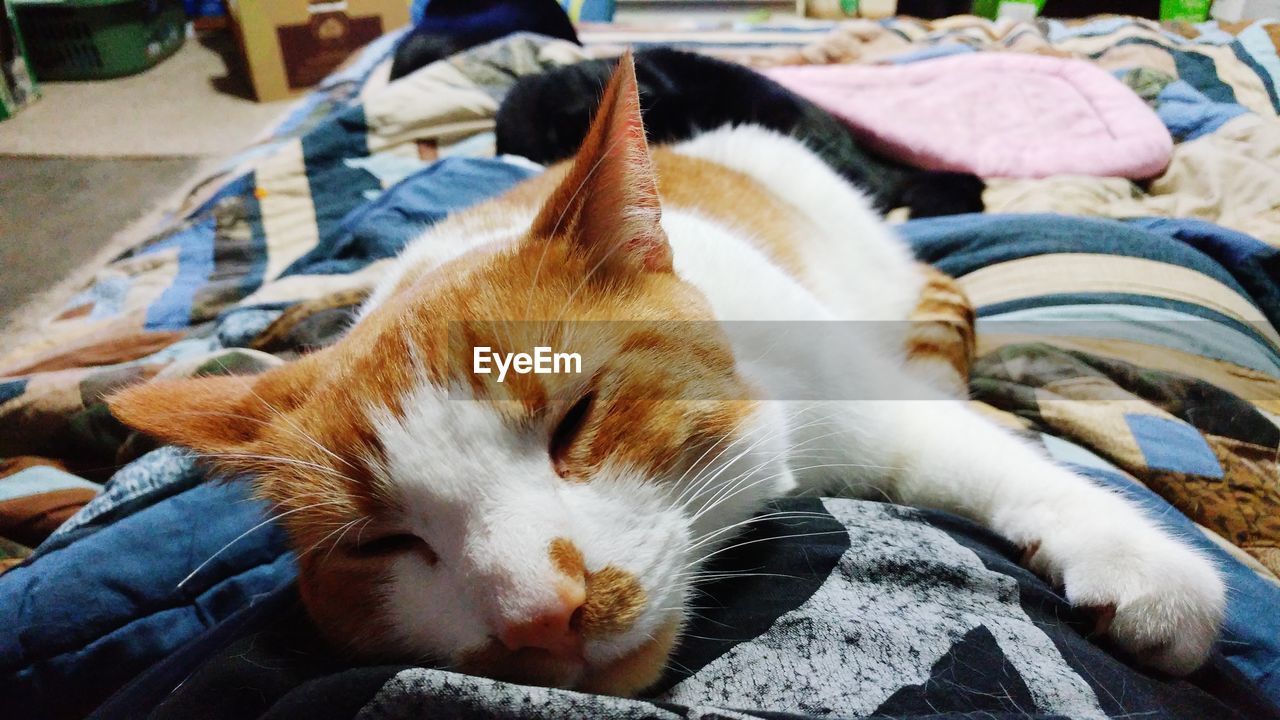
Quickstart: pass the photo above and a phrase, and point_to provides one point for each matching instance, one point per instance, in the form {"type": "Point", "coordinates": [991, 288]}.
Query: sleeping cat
{"type": "Point", "coordinates": [547, 528]}
{"type": "Point", "coordinates": [545, 116]}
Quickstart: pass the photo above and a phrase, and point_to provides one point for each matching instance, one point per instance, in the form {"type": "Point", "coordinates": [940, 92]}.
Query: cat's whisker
{"type": "Point", "coordinates": [692, 608]}
{"type": "Point", "coordinates": [790, 470]}
{"type": "Point", "coordinates": [694, 484]}
{"type": "Point", "coordinates": [241, 418]}
{"type": "Point", "coordinates": [316, 545]}
{"type": "Point", "coordinates": [346, 529]}
{"type": "Point", "coordinates": [712, 535]}
{"type": "Point", "coordinates": [862, 466]}
{"type": "Point", "coordinates": [692, 612]}
{"type": "Point", "coordinates": [771, 538]}
{"type": "Point", "coordinates": [738, 486]}
{"type": "Point", "coordinates": [706, 576]}
{"type": "Point", "coordinates": [716, 502]}
{"type": "Point", "coordinates": [719, 496]}
{"type": "Point", "coordinates": [729, 490]}
{"type": "Point", "coordinates": [783, 429]}
{"type": "Point", "coordinates": [713, 639]}
{"type": "Point", "coordinates": [775, 515]}
{"type": "Point", "coordinates": [360, 532]}
{"type": "Point", "coordinates": [781, 453]}
{"type": "Point", "coordinates": [293, 430]}
{"type": "Point", "coordinates": [285, 418]}
{"type": "Point", "coordinates": [276, 460]}
{"type": "Point", "coordinates": [251, 530]}
{"type": "Point", "coordinates": [679, 666]}
{"type": "Point", "coordinates": [339, 531]}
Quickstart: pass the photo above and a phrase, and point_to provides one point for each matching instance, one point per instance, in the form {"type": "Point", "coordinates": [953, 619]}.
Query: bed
{"type": "Point", "coordinates": [1128, 327]}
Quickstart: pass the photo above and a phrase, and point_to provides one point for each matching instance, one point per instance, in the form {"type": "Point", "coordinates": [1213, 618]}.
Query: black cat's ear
{"type": "Point", "coordinates": [608, 204]}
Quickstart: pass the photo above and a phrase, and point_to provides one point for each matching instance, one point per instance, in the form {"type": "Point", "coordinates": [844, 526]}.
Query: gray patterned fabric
{"type": "Point", "coordinates": [870, 630]}
{"type": "Point", "coordinates": [916, 617]}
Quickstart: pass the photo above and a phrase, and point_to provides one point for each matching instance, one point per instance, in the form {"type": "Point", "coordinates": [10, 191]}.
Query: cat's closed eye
{"type": "Point", "coordinates": [567, 431]}
{"type": "Point", "coordinates": [394, 544]}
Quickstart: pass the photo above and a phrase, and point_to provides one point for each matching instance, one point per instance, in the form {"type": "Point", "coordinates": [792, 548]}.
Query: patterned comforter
{"type": "Point", "coordinates": [1139, 344]}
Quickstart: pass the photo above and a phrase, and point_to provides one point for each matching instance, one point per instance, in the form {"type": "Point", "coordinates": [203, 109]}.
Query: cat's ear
{"type": "Point", "coordinates": [212, 415]}
{"type": "Point", "coordinates": [608, 205]}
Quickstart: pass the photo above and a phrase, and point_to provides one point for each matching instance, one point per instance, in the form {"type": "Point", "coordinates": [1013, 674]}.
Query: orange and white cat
{"type": "Point", "coordinates": [546, 528]}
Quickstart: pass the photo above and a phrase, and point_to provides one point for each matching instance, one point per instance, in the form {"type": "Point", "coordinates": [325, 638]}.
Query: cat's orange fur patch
{"type": "Point", "coordinates": [567, 558]}
{"type": "Point", "coordinates": [942, 331]}
{"type": "Point", "coordinates": [614, 602]}
{"type": "Point", "coordinates": [735, 200]}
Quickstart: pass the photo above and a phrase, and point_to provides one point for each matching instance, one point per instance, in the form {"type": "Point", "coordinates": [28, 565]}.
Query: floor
{"type": "Point", "coordinates": [194, 103]}
{"type": "Point", "coordinates": [85, 160]}
{"type": "Point", "coordinates": [56, 213]}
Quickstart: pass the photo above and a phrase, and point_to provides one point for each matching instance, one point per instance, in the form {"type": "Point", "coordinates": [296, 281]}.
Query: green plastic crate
{"type": "Point", "coordinates": [95, 39]}
{"type": "Point", "coordinates": [17, 86]}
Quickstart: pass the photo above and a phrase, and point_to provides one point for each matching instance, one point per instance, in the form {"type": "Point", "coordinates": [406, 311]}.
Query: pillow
{"type": "Point", "coordinates": [993, 114]}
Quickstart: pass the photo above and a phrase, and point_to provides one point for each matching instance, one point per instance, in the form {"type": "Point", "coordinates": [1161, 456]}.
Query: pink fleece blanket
{"type": "Point", "coordinates": [993, 114]}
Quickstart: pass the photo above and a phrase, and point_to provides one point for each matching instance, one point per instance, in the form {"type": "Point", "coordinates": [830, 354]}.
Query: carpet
{"type": "Point", "coordinates": [58, 215]}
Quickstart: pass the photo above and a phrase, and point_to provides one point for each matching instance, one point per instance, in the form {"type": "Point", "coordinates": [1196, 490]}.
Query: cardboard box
{"type": "Point", "coordinates": [290, 45]}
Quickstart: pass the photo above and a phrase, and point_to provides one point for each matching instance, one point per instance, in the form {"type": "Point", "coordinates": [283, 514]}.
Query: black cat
{"type": "Point", "coordinates": [545, 118]}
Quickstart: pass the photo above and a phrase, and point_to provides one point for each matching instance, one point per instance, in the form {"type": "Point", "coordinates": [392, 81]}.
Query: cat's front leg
{"type": "Point", "coordinates": [1164, 600]}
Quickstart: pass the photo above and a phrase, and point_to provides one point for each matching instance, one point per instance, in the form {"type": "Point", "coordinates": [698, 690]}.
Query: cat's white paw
{"type": "Point", "coordinates": [1158, 598]}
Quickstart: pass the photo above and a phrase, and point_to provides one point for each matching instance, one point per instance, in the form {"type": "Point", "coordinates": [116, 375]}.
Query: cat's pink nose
{"type": "Point", "coordinates": [554, 629]}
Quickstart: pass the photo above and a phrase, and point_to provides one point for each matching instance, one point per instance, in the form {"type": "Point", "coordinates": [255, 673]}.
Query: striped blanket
{"type": "Point", "coordinates": [1139, 344]}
